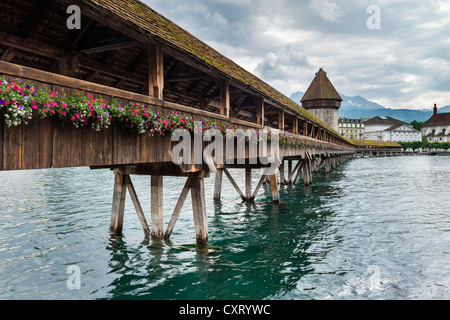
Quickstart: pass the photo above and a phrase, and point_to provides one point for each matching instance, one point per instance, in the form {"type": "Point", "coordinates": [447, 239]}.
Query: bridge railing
{"type": "Point", "coordinates": [49, 142]}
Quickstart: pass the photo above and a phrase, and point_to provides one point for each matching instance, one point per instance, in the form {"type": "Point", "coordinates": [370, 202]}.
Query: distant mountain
{"type": "Point", "coordinates": [359, 103]}
{"type": "Point", "coordinates": [297, 96]}
{"type": "Point", "coordinates": [359, 107]}
{"type": "Point", "coordinates": [444, 109]}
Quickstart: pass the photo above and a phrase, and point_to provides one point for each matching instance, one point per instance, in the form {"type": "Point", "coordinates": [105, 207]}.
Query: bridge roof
{"type": "Point", "coordinates": [376, 144]}
{"type": "Point", "coordinates": [144, 19]}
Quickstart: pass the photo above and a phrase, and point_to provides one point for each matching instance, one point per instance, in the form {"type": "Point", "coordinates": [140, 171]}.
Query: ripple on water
{"type": "Point", "coordinates": [375, 228]}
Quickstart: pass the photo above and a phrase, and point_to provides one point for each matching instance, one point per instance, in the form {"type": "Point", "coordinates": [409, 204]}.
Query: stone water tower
{"type": "Point", "coordinates": [322, 100]}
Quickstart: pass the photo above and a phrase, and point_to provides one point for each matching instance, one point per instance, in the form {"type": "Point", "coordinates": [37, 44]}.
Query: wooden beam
{"type": "Point", "coordinates": [118, 205]}
{"type": "Point", "coordinates": [30, 45]}
{"type": "Point", "coordinates": [299, 172]}
{"type": "Point", "coordinates": [199, 210]}
{"type": "Point", "coordinates": [236, 187]}
{"type": "Point", "coordinates": [274, 188]}
{"type": "Point", "coordinates": [218, 184]}
{"type": "Point", "coordinates": [178, 207]}
{"type": "Point", "coordinates": [225, 98]}
{"type": "Point", "coordinates": [196, 75]}
{"type": "Point", "coordinates": [157, 216]}
{"type": "Point", "coordinates": [80, 34]}
{"type": "Point", "coordinates": [248, 184]}
{"type": "Point", "coordinates": [94, 65]}
{"type": "Point", "coordinates": [137, 205]}
{"type": "Point", "coordinates": [260, 111]}
{"type": "Point", "coordinates": [291, 175]}
{"type": "Point", "coordinates": [101, 38]}
{"type": "Point", "coordinates": [281, 120]}
{"type": "Point", "coordinates": [258, 186]}
{"type": "Point", "coordinates": [282, 173]}
{"type": "Point", "coordinates": [110, 47]}
{"type": "Point", "coordinates": [155, 71]}
{"type": "Point", "coordinates": [8, 55]}
{"type": "Point", "coordinates": [67, 65]}
{"type": "Point", "coordinates": [295, 126]}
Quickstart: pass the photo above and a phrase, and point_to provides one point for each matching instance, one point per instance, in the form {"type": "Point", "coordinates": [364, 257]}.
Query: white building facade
{"type": "Point", "coordinates": [437, 128]}
{"type": "Point", "coordinates": [390, 129]}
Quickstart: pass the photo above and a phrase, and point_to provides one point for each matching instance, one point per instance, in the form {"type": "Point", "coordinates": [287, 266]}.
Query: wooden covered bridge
{"type": "Point", "coordinates": [109, 95]}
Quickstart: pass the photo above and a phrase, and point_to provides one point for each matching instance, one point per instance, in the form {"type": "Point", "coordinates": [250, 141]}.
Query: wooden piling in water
{"type": "Point", "coordinates": [248, 184]}
{"type": "Point", "coordinates": [218, 184]}
{"type": "Point", "coordinates": [274, 188]}
{"type": "Point", "coordinates": [199, 210]}
{"type": "Point", "coordinates": [118, 205]}
{"type": "Point", "coordinates": [157, 216]}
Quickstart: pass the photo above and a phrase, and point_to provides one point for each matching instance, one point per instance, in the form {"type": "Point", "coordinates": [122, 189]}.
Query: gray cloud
{"type": "Point", "coordinates": [404, 64]}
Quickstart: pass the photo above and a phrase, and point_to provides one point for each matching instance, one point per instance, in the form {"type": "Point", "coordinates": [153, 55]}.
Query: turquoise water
{"type": "Point", "coordinates": [375, 228]}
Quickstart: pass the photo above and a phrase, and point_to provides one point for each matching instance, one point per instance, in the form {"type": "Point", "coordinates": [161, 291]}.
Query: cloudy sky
{"type": "Point", "coordinates": [401, 61]}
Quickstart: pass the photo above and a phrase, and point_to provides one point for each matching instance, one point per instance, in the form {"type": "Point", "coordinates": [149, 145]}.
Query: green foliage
{"type": "Point", "coordinates": [417, 125]}
{"type": "Point", "coordinates": [425, 144]}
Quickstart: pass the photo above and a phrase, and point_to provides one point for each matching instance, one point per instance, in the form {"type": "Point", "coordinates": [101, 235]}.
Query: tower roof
{"type": "Point", "coordinates": [321, 88]}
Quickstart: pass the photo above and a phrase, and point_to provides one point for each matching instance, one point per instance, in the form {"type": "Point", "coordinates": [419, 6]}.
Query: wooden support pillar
{"type": "Point", "coordinates": [307, 172]}
{"type": "Point", "coordinates": [178, 207]}
{"type": "Point", "coordinates": [258, 186]}
{"type": "Point", "coordinates": [295, 126]}
{"type": "Point", "coordinates": [157, 221]}
{"type": "Point", "coordinates": [67, 65]}
{"type": "Point", "coordinates": [248, 184]}
{"type": "Point", "coordinates": [118, 205]}
{"type": "Point", "coordinates": [155, 71]}
{"type": "Point", "coordinates": [225, 98]}
{"type": "Point", "coordinates": [137, 205]}
{"type": "Point", "coordinates": [199, 210]}
{"type": "Point", "coordinates": [281, 120]}
{"type": "Point", "coordinates": [236, 187]}
{"type": "Point", "coordinates": [297, 169]}
{"type": "Point", "coordinates": [260, 111]}
{"type": "Point", "coordinates": [282, 177]}
{"type": "Point", "coordinates": [218, 184]}
{"type": "Point", "coordinates": [274, 188]}
{"type": "Point", "coordinates": [289, 171]}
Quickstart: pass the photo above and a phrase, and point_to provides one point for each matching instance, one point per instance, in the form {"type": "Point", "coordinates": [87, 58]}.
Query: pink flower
{"type": "Point", "coordinates": [45, 110]}
{"type": "Point", "coordinates": [63, 113]}
{"type": "Point", "coordinates": [77, 115]}
{"type": "Point", "coordinates": [73, 118]}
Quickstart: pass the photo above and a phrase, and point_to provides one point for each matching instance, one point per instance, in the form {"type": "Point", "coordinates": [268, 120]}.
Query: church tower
{"type": "Point", "coordinates": [322, 100]}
